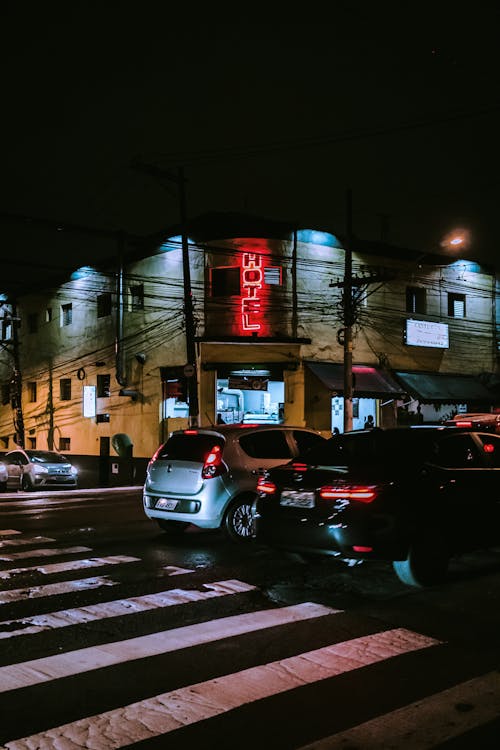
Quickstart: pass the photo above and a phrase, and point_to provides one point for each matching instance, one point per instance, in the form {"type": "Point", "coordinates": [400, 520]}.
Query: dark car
{"type": "Point", "coordinates": [208, 476]}
{"type": "Point", "coordinates": [413, 496]}
{"type": "Point", "coordinates": [478, 421]}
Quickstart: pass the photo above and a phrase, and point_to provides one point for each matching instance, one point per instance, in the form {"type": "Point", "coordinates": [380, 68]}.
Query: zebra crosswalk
{"type": "Point", "coordinates": [215, 664]}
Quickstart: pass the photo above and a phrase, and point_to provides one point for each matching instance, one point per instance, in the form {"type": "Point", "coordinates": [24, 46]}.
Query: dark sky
{"type": "Point", "coordinates": [270, 116]}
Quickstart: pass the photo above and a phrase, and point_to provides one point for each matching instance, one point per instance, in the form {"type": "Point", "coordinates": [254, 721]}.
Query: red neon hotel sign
{"type": "Point", "coordinates": [251, 285]}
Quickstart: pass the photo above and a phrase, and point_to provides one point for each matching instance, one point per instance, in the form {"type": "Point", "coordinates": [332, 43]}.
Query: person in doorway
{"type": "Point", "coordinates": [369, 423]}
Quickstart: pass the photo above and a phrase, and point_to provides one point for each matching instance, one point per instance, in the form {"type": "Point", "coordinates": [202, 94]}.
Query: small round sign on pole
{"type": "Point", "coordinates": [188, 371]}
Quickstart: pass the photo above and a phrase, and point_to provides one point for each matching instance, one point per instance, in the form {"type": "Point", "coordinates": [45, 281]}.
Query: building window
{"type": "Point", "coordinates": [64, 444]}
{"type": "Point", "coordinates": [272, 275]}
{"type": "Point", "coordinates": [225, 282]}
{"type": "Point", "coordinates": [103, 305]}
{"type": "Point", "coordinates": [4, 441]}
{"type": "Point", "coordinates": [137, 297]}
{"type": "Point", "coordinates": [32, 392]}
{"type": "Point", "coordinates": [32, 443]}
{"type": "Point", "coordinates": [102, 418]}
{"type": "Point", "coordinates": [6, 330]}
{"type": "Point", "coordinates": [456, 305]}
{"type": "Point", "coordinates": [65, 389]}
{"type": "Point", "coordinates": [32, 322]}
{"type": "Point", "coordinates": [66, 314]}
{"type": "Point", "coordinates": [103, 386]}
{"type": "Point", "coordinates": [5, 393]}
{"type": "Point", "coordinates": [48, 315]}
{"type": "Point", "coordinates": [416, 299]}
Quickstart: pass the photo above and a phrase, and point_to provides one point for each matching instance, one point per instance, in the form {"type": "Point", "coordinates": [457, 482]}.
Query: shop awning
{"type": "Point", "coordinates": [444, 388]}
{"type": "Point", "coordinates": [368, 381]}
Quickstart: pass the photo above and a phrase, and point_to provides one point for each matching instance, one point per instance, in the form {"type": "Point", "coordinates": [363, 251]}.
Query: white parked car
{"type": "Point", "coordinates": [31, 469]}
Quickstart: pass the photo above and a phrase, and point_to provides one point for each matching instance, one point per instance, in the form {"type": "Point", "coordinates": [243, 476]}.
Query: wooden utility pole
{"type": "Point", "coordinates": [348, 317]}
{"type": "Point", "coordinates": [190, 368]}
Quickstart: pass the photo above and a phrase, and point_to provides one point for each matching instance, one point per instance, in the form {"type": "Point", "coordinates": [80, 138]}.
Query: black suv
{"type": "Point", "coordinates": [413, 496]}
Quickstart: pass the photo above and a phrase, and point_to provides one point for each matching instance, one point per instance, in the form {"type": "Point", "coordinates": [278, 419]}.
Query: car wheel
{"type": "Point", "coordinates": [26, 484]}
{"type": "Point", "coordinates": [427, 561]}
{"type": "Point", "coordinates": [172, 527]}
{"type": "Point", "coordinates": [238, 521]}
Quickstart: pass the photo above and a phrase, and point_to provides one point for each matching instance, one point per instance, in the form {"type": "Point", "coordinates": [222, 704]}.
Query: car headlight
{"type": "Point", "coordinates": [40, 469]}
{"type": "Point", "coordinates": [74, 471]}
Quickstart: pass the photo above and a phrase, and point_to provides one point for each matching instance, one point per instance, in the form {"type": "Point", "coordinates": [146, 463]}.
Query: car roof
{"type": "Point", "coordinates": [230, 430]}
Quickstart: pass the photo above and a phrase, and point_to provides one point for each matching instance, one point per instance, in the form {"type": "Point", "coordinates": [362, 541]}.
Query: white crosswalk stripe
{"type": "Point", "coordinates": [20, 542]}
{"type": "Point", "coordinates": [54, 589]}
{"type": "Point", "coordinates": [45, 552]}
{"type": "Point", "coordinates": [169, 711]}
{"type": "Point", "coordinates": [118, 608]}
{"type": "Point", "coordinates": [163, 663]}
{"type": "Point", "coordinates": [82, 564]}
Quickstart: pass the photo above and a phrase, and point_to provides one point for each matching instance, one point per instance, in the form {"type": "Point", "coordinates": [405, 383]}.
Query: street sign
{"type": "Point", "coordinates": [188, 371]}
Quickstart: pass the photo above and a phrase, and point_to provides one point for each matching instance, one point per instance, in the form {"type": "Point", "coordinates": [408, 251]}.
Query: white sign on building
{"type": "Point", "coordinates": [426, 333]}
{"type": "Point", "coordinates": [89, 401]}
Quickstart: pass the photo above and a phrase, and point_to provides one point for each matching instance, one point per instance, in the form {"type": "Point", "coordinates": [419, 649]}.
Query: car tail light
{"type": "Point", "coordinates": [214, 465]}
{"type": "Point", "coordinates": [361, 493]}
{"type": "Point", "coordinates": [463, 423]}
{"type": "Point", "coordinates": [190, 432]}
{"type": "Point", "coordinates": [488, 448]}
{"type": "Point", "coordinates": [265, 486]}
{"type": "Point", "coordinates": [155, 456]}
{"type": "Point", "coordinates": [299, 467]}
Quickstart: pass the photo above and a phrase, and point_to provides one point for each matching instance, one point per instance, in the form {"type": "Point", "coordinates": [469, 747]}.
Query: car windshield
{"type": "Point", "coordinates": [185, 447]}
{"type": "Point", "coordinates": [46, 457]}
{"type": "Point", "coordinates": [378, 448]}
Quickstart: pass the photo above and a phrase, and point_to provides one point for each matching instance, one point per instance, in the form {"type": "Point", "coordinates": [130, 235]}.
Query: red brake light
{"type": "Point", "coordinates": [155, 456]}
{"type": "Point", "coordinates": [190, 432]}
{"type": "Point", "coordinates": [488, 448]}
{"type": "Point", "coordinates": [362, 493]}
{"type": "Point", "coordinates": [463, 423]}
{"type": "Point", "coordinates": [265, 486]}
{"type": "Point", "coordinates": [299, 467]}
{"type": "Point", "coordinates": [214, 465]}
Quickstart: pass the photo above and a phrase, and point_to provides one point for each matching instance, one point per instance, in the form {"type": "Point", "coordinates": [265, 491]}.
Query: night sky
{"type": "Point", "coordinates": [270, 117]}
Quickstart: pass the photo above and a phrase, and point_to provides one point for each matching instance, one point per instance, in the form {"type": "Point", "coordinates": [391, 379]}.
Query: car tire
{"type": "Point", "coordinates": [26, 485]}
{"type": "Point", "coordinates": [238, 520]}
{"type": "Point", "coordinates": [175, 528]}
{"type": "Point", "coordinates": [427, 561]}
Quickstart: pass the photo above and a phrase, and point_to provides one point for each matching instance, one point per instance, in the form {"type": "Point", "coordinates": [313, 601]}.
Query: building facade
{"type": "Point", "coordinates": [98, 368]}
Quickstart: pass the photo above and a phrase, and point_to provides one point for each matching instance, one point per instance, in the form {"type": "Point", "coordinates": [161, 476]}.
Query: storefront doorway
{"type": "Point", "coordinates": [250, 396]}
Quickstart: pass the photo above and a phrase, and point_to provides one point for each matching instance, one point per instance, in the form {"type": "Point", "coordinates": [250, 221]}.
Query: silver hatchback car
{"type": "Point", "coordinates": [208, 476]}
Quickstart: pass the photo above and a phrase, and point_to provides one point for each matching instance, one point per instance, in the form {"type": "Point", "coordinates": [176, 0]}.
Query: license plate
{"type": "Point", "coordinates": [166, 504]}
{"type": "Point", "coordinates": [297, 499]}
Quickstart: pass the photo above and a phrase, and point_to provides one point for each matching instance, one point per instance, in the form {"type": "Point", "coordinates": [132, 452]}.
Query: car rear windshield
{"type": "Point", "coordinates": [184, 447]}
{"type": "Point", "coordinates": [394, 447]}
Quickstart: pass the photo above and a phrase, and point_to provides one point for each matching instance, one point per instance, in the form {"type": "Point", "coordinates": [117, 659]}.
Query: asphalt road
{"type": "Point", "coordinates": [113, 634]}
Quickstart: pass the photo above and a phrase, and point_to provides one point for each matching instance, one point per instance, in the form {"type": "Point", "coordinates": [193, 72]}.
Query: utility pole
{"type": "Point", "coordinates": [350, 304]}
{"type": "Point", "coordinates": [348, 317]}
{"type": "Point", "coordinates": [17, 382]}
{"type": "Point", "coordinates": [190, 369]}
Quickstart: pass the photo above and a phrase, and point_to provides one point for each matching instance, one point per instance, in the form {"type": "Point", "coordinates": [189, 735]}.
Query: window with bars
{"type": "Point", "coordinates": [65, 389]}
{"type": "Point", "coordinates": [103, 386]}
{"type": "Point", "coordinates": [32, 443]}
{"type": "Point", "coordinates": [137, 297]}
{"type": "Point", "coordinates": [416, 300]}
{"type": "Point", "coordinates": [456, 305]}
{"type": "Point", "coordinates": [66, 314]}
{"type": "Point", "coordinates": [31, 391]}
{"type": "Point", "coordinates": [103, 305]}
{"type": "Point", "coordinates": [64, 444]}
